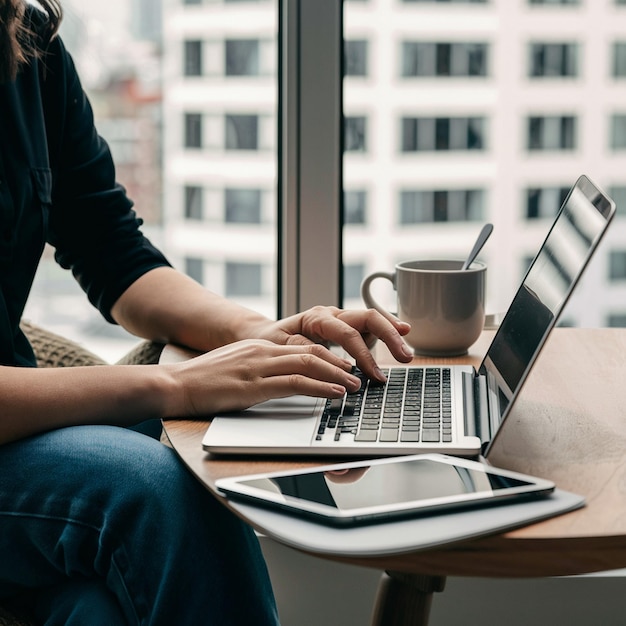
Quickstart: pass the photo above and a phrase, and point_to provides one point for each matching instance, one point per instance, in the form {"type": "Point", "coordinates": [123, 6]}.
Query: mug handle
{"type": "Point", "coordinates": [369, 301]}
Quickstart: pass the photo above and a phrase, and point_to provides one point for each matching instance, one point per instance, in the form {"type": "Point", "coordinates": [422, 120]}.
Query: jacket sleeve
{"type": "Point", "coordinates": [92, 225]}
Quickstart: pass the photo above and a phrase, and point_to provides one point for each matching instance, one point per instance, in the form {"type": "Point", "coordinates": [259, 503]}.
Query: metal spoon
{"type": "Point", "coordinates": [480, 242]}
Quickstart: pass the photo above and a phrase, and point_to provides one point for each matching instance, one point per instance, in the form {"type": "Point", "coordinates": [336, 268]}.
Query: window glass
{"type": "Point", "coordinates": [242, 206]}
{"type": "Point", "coordinates": [194, 202]}
{"type": "Point", "coordinates": [617, 265]}
{"type": "Point", "coordinates": [483, 112]}
{"type": "Point", "coordinates": [355, 206]}
{"type": "Point", "coordinates": [193, 58]}
{"type": "Point", "coordinates": [355, 58]}
{"type": "Point", "coordinates": [553, 59]}
{"type": "Point", "coordinates": [243, 279]}
{"type": "Point", "coordinates": [242, 57]}
{"type": "Point", "coordinates": [194, 143]}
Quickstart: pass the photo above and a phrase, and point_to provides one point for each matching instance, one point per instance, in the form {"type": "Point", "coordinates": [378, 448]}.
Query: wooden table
{"type": "Point", "coordinates": [568, 426]}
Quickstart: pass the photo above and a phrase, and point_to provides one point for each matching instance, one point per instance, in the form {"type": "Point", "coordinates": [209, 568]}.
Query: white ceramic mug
{"type": "Point", "coordinates": [444, 304]}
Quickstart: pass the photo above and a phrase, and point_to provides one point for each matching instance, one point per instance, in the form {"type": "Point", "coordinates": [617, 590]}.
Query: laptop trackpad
{"type": "Point", "coordinates": [279, 422]}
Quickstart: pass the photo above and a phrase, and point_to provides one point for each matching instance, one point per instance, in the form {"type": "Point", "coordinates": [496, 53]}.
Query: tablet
{"type": "Point", "coordinates": [361, 492]}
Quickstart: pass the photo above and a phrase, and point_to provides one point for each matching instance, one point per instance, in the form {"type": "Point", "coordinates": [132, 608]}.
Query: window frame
{"type": "Point", "coordinates": [310, 154]}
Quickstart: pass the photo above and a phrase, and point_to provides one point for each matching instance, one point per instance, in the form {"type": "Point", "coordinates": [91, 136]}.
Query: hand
{"type": "Point", "coordinates": [355, 331]}
{"type": "Point", "coordinates": [248, 372]}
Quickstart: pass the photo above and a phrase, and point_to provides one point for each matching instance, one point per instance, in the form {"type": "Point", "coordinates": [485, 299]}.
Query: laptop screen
{"type": "Point", "coordinates": [576, 231]}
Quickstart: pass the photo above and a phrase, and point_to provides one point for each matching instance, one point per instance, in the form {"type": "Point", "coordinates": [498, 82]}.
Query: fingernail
{"type": "Point", "coordinates": [338, 389]}
{"type": "Point", "coordinates": [380, 375]}
{"type": "Point", "coordinates": [407, 351]}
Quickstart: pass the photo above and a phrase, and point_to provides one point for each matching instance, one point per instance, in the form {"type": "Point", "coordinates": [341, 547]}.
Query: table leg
{"type": "Point", "coordinates": [405, 599]}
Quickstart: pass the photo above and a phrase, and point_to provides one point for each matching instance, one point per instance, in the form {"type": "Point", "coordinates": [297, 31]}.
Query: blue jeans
{"type": "Point", "coordinates": [104, 525]}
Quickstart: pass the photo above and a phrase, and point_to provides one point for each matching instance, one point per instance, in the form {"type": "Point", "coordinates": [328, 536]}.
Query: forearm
{"type": "Point", "coordinates": [34, 400]}
{"type": "Point", "coordinates": [165, 305]}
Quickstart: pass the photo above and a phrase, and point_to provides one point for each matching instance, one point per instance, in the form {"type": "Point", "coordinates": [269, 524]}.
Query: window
{"type": "Point", "coordinates": [193, 58]}
{"type": "Point", "coordinates": [194, 268]}
{"type": "Point", "coordinates": [617, 265]}
{"type": "Point", "coordinates": [544, 202]}
{"type": "Point", "coordinates": [353, 275]}
{"type": "Point", "coordinates": [451, 1]}
{"type": "Point", "coordinates": [442, 133]}
{"type": "Point", "coordinates": [443, 59]}
{"type": "Point", "coordinates": [354, 207]}
{"type": "Point", "coordinates": [422, 206]}
{"type": "Point", "coordinates": [193, 130]}
{"type": "Point", "coordinates": [553, 1]}
{"type": "Point", "coordinates": [355, 139]}
{"type": "Point", "coordinates": [618, 193]}
{"type": "Point", "coordinates": [616, 320]}
{"type": "Point", "coordinates": [618, 131]}
{"type": "Point", "coordinates": [619, 59]}
{"type": "Point", "coordinates": [193, 203]}
{"type": "Point", "coordinates": [243, 279]}
{"type": "Point", "coordinates": [241, 57]}
{"type": "Point", "coordinates": [551, 133]}
{"type": "Point", "coordinates": [355, 58]}
{"type": "Point", "coordinates": [242, 132]}
{"type": "Point", "coordinates": [553, 59]}
{"type": "Point", "coordinates": [242, 206]}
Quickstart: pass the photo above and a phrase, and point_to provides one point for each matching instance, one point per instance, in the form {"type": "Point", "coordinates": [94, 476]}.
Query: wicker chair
{"type": "Point", "coordinates": [52, 350]}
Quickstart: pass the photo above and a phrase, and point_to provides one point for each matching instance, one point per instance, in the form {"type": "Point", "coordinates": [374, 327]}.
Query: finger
{"type": "Point", "coordinates": [310, 365]}
{"type": "Point", "coordinates": [347, 329]}
{"type": "Point", "coordinates": [389, 331]}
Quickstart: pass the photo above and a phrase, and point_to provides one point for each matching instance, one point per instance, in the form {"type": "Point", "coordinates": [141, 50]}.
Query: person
{"type": "Point", "coordinates": [100, 523]}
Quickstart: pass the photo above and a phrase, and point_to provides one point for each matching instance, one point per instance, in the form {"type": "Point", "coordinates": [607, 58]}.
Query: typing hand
{"type": "Point", "coordinates": [355, 331]}
{"type": "Point", "coordinates": [248, 372]}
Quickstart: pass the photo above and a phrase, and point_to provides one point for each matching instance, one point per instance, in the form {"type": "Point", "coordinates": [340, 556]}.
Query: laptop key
{"type": "Point", "coordinates": [430, 436]}
{"type": "Point", "coordinates": [388, 434]}
{"type": "Point", "coordinates": [366, 435]}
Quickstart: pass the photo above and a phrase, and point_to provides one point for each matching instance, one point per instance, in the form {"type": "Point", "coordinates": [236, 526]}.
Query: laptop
{"type": "Point", "coordinates": [455, 409]}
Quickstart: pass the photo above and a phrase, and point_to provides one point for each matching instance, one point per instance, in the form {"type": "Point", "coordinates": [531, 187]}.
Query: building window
{"type": "Point", "coordinates": [618, 131]}
{"type": "Point", "coordinates": [619, 58]}
{"type": "Point", "coordinates": [353, 275]}
{"type": "Point", "coordinates": [242, 57]}
{"type": "Point", "coordinates": [448, 1]}
{"type": "Point", "coordinates": [242, 206]}
{"type": "Point", "coordinates": [243, 279]}
{"type": "Point", "coordinates": [544, 202]}
{"type": "Point", "coordinates": [193, 203]}
{"type": "Point", "coordinates": [617, 265]}
{"type": "Point", "coordinates": [553, 1]}
{"type": "Point", "coordinates": [354, 207]}
{"type": "Point", "coordinates": [551, 132]}
{"type": "Point", "coordinates": [553, 59]}
{"type": "Point", "coordinates": [355, 58]}
{"type": "Point", "coordinates": [355, 139]}
{"type": "Point", "coordinates": [618, 192]}
{"type": "Point", "coordinates": [442, 133]}
{"type": "Point", "coordinates": [194, 268]}
{"type": "Point", "coordinates": [193, 130]}
{"type": "Point", "coordinates": [616, 320]}
{"type": "Point", "coordinates": [456, 205]}
{"type": "Point", "coordinates": [242, 132]}
{"type": "Point", "coordinates": [443, 59]}
{"type": "Point", "coordinates": [193, 58]}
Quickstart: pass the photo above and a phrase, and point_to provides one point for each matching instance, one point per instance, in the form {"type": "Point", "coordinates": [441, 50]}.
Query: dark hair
{"type": "Point", "coordinates": [23, 38]}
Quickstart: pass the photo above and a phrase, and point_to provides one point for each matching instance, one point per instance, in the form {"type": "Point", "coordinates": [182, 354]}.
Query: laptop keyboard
{"type": "Point", "coordinates": [414, 405]}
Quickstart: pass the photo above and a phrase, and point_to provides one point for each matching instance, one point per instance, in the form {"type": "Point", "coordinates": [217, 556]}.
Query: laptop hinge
{"type": "Point", "coordinates": [477, 421]}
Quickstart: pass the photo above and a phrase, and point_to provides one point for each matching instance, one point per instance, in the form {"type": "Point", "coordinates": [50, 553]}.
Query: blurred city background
{"type": "Point", "coordinates": [455, 113]}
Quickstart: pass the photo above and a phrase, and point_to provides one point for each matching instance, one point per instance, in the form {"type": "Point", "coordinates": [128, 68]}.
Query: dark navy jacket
{"type": "Point", "coordinates": [57, 184]}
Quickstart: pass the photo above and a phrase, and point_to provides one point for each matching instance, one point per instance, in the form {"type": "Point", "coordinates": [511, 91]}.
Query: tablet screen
{"type": "Point", "coordinates": [386, 486]}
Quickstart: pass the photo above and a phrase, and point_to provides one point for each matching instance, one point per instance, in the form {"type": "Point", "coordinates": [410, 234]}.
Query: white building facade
{"type": "Point", "coordinates": [456, 113]}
